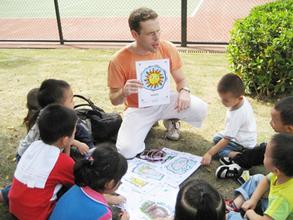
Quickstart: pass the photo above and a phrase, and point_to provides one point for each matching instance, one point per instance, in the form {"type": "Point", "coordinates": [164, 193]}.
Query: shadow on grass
{"type": "Point", "coordinates": [4, 213]}
{"type": "Point", "coordinates": [8, 62]}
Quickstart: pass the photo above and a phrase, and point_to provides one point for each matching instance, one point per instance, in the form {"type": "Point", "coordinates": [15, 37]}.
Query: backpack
{"type": "Point", "coordinates": [103, 126]}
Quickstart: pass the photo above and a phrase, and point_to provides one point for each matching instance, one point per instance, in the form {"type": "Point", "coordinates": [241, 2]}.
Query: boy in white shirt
{"type": "Point", "coordinates": [240, 125]}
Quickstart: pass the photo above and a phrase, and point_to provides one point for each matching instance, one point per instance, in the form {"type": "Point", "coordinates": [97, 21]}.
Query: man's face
{"type": "Point", "coordinates": [149, 36]}
{"type": "Point", "coordinates": [276, 122]}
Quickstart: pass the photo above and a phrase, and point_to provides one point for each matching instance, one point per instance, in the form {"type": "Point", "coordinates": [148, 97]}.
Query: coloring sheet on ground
{"type": "Point", "coordinates": [154, 75]}
{"type": "Point", "coordinates": [159, 202]}
{"type": "Point", "coordinates": [151, 187]}
{"type": "Point", "coordinates": [173, 170]}
{"type": "Point", "coordinates": [178, 166]}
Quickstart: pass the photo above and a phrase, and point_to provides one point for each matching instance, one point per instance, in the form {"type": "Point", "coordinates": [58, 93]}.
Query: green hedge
{"type": "Point", "coordinates": [260, 50]}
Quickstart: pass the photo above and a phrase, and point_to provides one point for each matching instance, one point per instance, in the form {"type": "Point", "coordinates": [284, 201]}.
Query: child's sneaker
{"type": "Point", "coordinates": [244, 177]}
{"type": "Point", "coordinates": [229, 171]}
{"type": "Point", "coordinates": [226, 160]}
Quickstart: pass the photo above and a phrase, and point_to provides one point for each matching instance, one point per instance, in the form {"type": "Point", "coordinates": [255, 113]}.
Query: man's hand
{"type": "Point", "coordinates": [183, 101]}
{"type": "Point", "coordinates": [131, 86]}
{"type": "Point", "coordinates": [206, 159]}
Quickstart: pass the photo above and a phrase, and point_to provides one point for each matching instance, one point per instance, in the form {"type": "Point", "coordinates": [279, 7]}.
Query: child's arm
{"type": "Point", "coordinates": [82, 147]}
{"type": "Point", "coordinates": [207, 157]}
{"type": "Point", "coordinates": [67, 150]}
{"type": "Point", "coordinates": [32, 135]}
{"type": "Point", "coordinates": [261, 189]}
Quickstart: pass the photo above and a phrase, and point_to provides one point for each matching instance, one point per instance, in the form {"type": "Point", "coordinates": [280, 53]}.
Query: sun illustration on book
{"type": "Point", "coordinates": [154, 78]}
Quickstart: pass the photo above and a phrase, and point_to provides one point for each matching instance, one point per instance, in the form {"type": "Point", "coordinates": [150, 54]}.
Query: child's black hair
{"type": "Point", "coordinates": [33, 107]}
{"type": "Point", "coordinates": [56, 121]}
{"type": "Point", "coordinates": [231, 83]}
{"type": "Point", "coordinates": [282, 152]}
{"type": "Point", "coordinates": [105, 164]}
{"type": "Point", "coordinates": [52, 91]}
{"type": "Point", "coordinates": [285, 107]}
{"type": "Point", "coordinates": [198, 200]}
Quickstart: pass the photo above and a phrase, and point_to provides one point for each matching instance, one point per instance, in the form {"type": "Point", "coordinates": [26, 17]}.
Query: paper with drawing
{"type": "Point", "coordinates": [151, 187]}
{"type": "Point", "coordinates": [154, 75]}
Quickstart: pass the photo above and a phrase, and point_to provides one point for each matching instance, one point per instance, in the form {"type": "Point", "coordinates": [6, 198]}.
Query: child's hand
{"type": "Point", "coordinates": [115, 199]}
{"type": "Point", "coordinates": [166, 218]}
{"type": "Point", "coordinates": [124, 216]}
{"type": "Point", "coordinates": [82, 148]}
{"type": "Point", "coordinates": [120, 199]}
{"type": "Point", "coordinates": [249, 204]}
{"type": "Point", "coordinates": [206, 159]}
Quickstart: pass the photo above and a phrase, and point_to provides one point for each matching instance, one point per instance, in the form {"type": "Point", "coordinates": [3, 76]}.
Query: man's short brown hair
{"type": "Point", "coordinates": [231, 83]}
{"type": "Point", "coordinates": [138, 15]}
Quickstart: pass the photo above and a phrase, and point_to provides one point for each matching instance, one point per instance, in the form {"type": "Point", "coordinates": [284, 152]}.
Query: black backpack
{"type": "Point", "coordinates": [103, 126]}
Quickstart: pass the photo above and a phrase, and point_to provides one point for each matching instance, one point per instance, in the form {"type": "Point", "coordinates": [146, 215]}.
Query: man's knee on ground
{"type": "Point", "coordinates": [199, 112]}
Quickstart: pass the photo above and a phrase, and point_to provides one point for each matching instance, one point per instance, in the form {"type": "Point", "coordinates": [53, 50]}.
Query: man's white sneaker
{"type": "Point", "coordinates": [172, 126]}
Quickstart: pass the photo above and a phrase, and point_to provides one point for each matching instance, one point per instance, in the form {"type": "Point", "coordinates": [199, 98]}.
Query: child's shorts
{"type": "Point", "coordinates": [231, 146]}
{"type": "Point", "coordinates": [246, 190]}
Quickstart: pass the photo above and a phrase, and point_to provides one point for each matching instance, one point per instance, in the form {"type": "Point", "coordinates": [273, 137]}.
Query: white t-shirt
{"type": "Point", "coordinates": [240, 125]}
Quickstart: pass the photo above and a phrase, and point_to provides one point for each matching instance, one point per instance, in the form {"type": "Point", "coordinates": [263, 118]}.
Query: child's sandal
{"type": "Point", "coordinates": [231, 206]}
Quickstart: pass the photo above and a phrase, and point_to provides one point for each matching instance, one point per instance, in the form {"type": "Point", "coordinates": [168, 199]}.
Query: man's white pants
{"type": "Point", "coordinates": [137, 122]}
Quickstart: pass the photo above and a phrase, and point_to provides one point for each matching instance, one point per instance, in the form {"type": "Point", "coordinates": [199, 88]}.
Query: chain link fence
{"type": "Point", "coordinates": [206, 21]}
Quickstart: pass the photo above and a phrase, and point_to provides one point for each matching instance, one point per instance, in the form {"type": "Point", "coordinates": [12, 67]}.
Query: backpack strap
{"type": "Point", "coordinates": [82, 105]}
{"type": "Point", "coordinates": [89, 103]}
{"type": "Point", "coordinates": [84, 98]}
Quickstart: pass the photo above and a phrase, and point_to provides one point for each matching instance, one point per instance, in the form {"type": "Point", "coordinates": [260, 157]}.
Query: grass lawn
{"type": "Point", "coordinates": [86, 71]}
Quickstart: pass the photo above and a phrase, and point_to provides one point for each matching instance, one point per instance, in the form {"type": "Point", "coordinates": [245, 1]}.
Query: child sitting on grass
{"type": "Point", "coordinates": [44, 168]}
{"type": "Point", "coordinates": [56, 91]}
{"type": "Point", "coordinates": [198, 200]}
{"type": "Point", "coordinates": [281, 121]}
{"type": "Point", "coordinates": [99, 174]}
{"type": "Point", "coordinates": [240, 125]}
{"type": "Point", "coordinates": [53, 91]}
{"type": "Point", "coordinates": [33, 108]}
{"type": "Point", "coordinates": [279, 183]}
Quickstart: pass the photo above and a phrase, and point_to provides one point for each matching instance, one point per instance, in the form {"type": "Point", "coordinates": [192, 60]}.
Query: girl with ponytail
{"type": "Point", "coordinates": [98, 175]}
{"type": "Point", "coordinates": [198, 200]}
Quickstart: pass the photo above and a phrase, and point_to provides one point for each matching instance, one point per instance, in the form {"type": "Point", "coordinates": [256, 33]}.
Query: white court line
{"type": "Point", "coordinates": [196, 9]}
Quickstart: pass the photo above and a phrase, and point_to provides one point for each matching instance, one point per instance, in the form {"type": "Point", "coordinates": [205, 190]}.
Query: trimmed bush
{"type": "Point", "coordinates": [260, 50]}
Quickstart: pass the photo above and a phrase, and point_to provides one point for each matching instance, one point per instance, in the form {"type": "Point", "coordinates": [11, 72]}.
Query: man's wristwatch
{"type": "Point", "coordinates": [185, 89]}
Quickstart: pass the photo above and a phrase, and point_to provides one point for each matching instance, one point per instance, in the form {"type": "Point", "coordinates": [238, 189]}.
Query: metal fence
{"type": "Point", "coordinates": [182, 21]}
